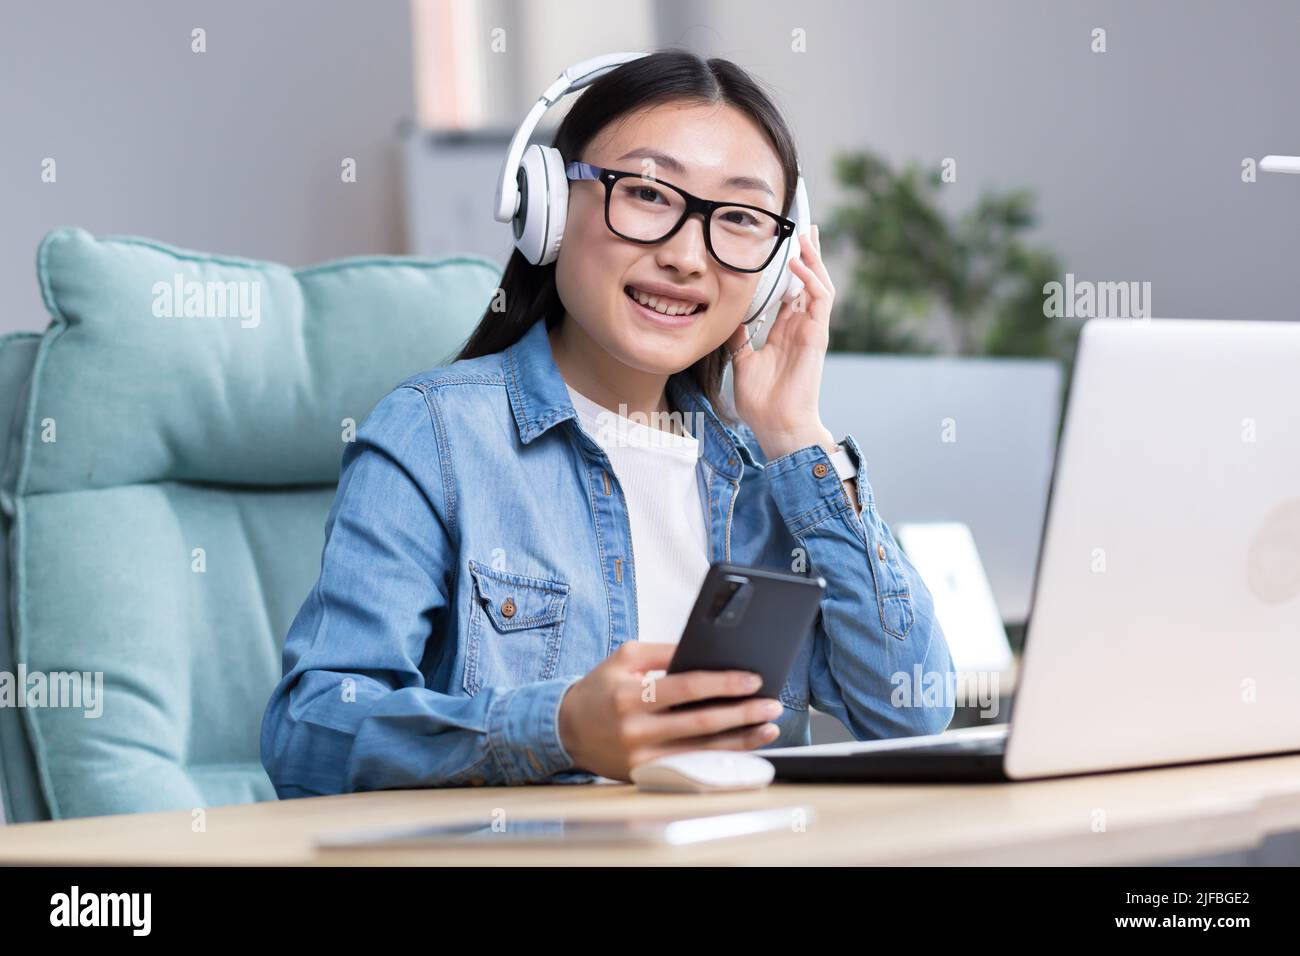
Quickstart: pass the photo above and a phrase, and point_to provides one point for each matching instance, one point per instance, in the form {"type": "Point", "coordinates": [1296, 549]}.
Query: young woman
{"type": "Point", "coordinates": [517, 537]}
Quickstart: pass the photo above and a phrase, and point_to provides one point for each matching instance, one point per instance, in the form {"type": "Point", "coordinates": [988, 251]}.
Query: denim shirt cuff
{"type": "Point", "coordinates": [524, 731]}
{"type": "Point", "coordinates": [807, 494]}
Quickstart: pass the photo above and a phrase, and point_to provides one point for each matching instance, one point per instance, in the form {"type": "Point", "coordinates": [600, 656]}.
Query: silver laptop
{"type": "Point", "coordinates": [1165, 623]}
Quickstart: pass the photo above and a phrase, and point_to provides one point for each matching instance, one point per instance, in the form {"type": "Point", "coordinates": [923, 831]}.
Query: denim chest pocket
{"type": "Point", "coordinates": [515, 627]}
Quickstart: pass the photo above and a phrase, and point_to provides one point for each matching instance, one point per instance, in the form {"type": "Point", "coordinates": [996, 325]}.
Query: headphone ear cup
{"type": "Point", "coordinates": [778, 281]}
{"type": "Point", "coordinates": [543, 204]}
{"type": "Point", "coordinates": [767, 294]}
{"type": "Point", "coordinates": [802, 216]}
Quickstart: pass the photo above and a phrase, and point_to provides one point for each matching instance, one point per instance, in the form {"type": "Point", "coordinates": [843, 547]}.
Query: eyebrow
{"type": "Point", "coordinates": [663, 159]}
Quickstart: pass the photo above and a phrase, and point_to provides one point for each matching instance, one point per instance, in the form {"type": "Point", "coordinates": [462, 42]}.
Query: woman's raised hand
{"type": "Point", "coordinates": [776, 388]}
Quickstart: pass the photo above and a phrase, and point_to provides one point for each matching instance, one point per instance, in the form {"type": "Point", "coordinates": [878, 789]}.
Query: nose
{"type": "Point", "coordinates": [685, 250]}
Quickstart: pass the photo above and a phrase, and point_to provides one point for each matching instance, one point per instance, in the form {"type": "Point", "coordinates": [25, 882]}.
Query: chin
{"type": "Point", "coordinates": [657, 361]}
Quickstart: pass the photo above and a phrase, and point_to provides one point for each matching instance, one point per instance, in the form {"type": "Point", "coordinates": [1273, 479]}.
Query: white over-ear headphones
{"type": "Point", "coordinates": [533, 194]}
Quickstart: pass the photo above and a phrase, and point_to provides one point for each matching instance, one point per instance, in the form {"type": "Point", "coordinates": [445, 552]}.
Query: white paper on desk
{"type": "Point", "coordinates": [674, 830]}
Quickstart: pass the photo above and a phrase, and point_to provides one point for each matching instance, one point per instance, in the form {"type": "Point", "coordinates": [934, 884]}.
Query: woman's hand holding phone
{"type": "Point", "coordinates": [618, 716]}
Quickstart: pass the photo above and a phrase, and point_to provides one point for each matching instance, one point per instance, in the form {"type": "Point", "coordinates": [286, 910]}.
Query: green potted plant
{"type": "Point", "coordinates": [922, 281]}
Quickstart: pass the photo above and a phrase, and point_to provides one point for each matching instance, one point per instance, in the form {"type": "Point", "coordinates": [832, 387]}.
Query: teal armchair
{"type": "Point", "coordinates": [173, 442]}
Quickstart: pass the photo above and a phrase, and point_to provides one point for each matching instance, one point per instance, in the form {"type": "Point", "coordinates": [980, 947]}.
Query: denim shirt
{"type": "Point", "coordinates": [478, 561]}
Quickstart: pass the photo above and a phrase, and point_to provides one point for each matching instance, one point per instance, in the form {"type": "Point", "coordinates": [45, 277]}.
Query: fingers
{"type": "Point", "coordinates": [711, 720]}
{"type": "Point", "coordinates": [818, 265]}
{"type": "Point", "coordinates": [812, 279]}
{"type": "Point", "coordinates": [690, 686]}
{"type": "Point", "coordinates": [810, 260]}
{"type": "Point", "coordinates": [742, 738]}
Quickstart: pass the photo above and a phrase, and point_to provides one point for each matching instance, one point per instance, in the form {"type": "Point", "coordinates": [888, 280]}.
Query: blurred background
{"type": "Point", "coordinates": [1134, 155]}
{"type": "Point", "coordinates": [958, 154]}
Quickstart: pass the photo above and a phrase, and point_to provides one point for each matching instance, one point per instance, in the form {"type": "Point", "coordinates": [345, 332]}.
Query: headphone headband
{"type": "Point", "coordinates": [576, 77]}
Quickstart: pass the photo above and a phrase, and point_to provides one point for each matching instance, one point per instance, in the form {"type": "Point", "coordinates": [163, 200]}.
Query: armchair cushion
{"type": "Point", "coordinates": [171, 468]}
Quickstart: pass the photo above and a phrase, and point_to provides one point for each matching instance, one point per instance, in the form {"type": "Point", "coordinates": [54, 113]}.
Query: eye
{"type": "Point", "coordinates": [644, 193]}
{"type": "Point", "coordinates": [739, 217]}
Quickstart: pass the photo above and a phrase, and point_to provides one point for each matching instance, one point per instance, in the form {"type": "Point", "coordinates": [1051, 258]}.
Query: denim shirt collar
{"type": "Point", "coordinates": [539, 400]}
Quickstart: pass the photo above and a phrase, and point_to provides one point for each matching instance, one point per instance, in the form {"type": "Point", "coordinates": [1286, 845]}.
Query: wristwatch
{"type": "Point", "coordinates": [844, 467]}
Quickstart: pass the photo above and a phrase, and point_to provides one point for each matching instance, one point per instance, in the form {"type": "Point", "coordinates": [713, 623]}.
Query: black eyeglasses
{"type": "Point", "coordinates": [741, 237]}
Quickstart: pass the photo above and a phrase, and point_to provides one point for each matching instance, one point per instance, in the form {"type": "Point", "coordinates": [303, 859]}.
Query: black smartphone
{"type": "Point", "coordinates": [750, 619]}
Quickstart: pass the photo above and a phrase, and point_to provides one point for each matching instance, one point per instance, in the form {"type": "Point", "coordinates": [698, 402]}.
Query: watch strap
{"type": "Point", "coordinates": [844, 466]}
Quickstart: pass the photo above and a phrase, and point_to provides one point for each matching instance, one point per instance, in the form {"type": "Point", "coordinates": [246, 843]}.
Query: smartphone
{"type": "Point", "coordinates": [750, 619]}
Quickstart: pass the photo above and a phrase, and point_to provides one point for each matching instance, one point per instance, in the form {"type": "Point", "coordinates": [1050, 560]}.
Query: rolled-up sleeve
{"type": "Point", "coordinates": [877, 632]}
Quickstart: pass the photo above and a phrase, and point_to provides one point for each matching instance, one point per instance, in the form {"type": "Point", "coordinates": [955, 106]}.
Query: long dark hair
{"type": "Point", "coordinates": [663, 76]}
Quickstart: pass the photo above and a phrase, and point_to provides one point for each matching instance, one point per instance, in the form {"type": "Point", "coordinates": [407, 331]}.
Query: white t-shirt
{"type": "Point", "coordinates": [657, 472]}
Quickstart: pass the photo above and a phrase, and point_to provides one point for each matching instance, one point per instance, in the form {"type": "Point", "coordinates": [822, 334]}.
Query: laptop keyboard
{"type": "Point", "coordinates": [993, 740]}
{"type": "Point", "coordinates": [984, 740]}
{"type": "Point", "coordinates": [975, 745]}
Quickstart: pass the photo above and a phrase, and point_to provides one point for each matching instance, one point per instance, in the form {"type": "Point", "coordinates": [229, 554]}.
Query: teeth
{"type": "Point", "coordinates": [663, 305]}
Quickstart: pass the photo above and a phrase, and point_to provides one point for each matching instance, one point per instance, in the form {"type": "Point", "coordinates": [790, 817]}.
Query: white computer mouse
{"type": "Point", "coordinates": [703, 771]}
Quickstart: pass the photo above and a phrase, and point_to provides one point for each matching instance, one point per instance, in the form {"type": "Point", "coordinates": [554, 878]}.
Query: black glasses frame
{"type": "Point", "coordinates": [579, 171]}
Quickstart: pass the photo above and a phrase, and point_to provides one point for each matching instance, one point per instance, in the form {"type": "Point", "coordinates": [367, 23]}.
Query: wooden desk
{"type": "Point", "coordinates": [1150, 816]}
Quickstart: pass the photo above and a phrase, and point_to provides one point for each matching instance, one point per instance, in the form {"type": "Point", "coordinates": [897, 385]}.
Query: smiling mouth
{"type": "Point", "coordinates": [664, 306]}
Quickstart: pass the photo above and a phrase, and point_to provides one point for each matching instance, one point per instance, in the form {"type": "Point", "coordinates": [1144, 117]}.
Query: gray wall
{"type": "Point", "coordinates": [1134, 153]}
{"type": "Point", "coordinates": [236, 150]}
